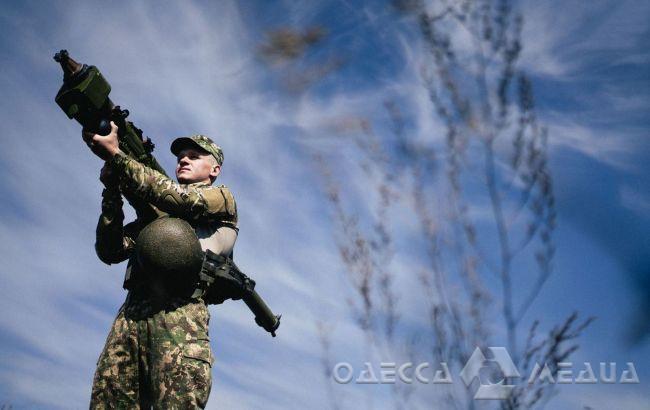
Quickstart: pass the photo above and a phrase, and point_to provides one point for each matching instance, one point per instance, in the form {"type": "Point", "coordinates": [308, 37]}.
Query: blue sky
{"type": "Point", "coordinates": [187, 67]}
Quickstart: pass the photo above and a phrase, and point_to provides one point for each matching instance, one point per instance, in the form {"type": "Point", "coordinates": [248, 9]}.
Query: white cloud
{"type": "Point", "coordinates": [545, 32]}
{"type": "Point", "coordinates": [611, 148]}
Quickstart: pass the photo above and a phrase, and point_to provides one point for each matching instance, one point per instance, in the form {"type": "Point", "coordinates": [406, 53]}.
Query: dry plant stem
{"type": "Point", "coordinates": [486, 106]}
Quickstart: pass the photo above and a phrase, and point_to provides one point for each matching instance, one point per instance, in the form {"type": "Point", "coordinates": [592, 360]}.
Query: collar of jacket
{"type": "Point", "coordinates": [199, 185]}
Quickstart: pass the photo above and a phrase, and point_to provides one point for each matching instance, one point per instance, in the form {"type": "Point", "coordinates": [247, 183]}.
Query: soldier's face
{"type": "Point", "coordinates": [194, 166]}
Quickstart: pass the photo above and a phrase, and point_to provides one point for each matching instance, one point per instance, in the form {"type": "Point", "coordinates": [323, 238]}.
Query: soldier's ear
{"type": "Point", "coordinates": [216, 170]}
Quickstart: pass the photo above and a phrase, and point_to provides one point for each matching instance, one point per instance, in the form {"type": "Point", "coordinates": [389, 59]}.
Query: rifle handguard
{"type": "Point", "coordinates": [220, 272]}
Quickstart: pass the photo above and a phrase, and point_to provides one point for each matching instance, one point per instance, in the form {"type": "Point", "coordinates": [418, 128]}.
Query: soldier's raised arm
{"type": "Point", "coordinates": [191, 202]}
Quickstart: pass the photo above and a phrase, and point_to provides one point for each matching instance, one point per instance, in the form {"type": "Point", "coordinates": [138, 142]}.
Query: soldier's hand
{"type": "Point", "coordinates": [104, 146]}
{"type": "Point", "coordinates": [108, 177]}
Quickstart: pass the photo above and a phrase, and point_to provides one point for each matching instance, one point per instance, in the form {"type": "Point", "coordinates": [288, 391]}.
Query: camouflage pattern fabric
{"type": "Point", "coordinates": [161, 360]}
{"type": "Point", "coordinates": [157, 353]}
{"type": "Point", "coordinates": [198, 141]}
{"type": "Point", "coordinates": [193, 202]}
{"type": "Point", "coordinates": [114, 241]}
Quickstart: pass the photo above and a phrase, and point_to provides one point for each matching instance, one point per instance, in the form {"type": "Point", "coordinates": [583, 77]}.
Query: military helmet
{"type": "Point", "coordinates": [169, 253]}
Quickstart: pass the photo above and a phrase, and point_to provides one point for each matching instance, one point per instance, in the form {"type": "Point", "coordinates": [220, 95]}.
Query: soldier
{"type": "Point", "coordinates": [158, 350]}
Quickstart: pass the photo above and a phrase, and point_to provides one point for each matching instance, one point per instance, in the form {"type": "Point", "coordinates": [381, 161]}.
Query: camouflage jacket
{"type": "Point", "coordinates": [200, 204]}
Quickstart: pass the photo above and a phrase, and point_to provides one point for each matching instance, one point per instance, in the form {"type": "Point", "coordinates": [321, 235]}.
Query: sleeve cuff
{"type": "Point", "coordinates": [118, 160]}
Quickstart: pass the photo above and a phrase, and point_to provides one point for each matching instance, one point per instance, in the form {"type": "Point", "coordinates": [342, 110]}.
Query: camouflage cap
{"type": "Point", "coordinates": [201, 141]}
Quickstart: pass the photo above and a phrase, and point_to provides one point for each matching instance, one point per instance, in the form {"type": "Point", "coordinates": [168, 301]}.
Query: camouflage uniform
{"type": "Point", "coordinates": [158, 351]}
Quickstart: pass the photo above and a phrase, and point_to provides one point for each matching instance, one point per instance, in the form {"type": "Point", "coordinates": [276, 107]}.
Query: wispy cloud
{"type": "Point", "coordinates": [611, 148]}
{"type": "Point", "coordinates": [562, 44]}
